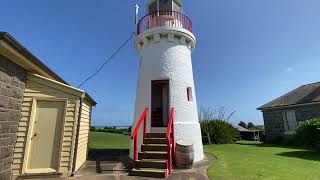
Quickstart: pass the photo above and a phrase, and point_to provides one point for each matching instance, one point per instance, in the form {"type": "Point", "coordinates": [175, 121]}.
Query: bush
{"type": "Point", "coordinates": [110, 130]}
{"type": "Point", "coordinates": [218, 132]}
{"type": "Point", "coordinates": [308, 133]}
{"type": "Point", "coordinates": [93, 128]}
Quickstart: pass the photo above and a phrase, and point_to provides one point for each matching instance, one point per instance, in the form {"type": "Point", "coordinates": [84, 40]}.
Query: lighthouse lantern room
{"type": "Point", "coordinates": [166, 106]}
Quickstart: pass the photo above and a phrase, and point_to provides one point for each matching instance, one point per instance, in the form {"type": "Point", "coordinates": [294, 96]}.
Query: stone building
{"type": "Point", "coordinates": [282, 115]}
{"type": "Point", "coordinates": [44, 122]}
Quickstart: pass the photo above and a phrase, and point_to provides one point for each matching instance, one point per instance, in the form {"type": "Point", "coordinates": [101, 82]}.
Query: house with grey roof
{"type": "Point", "coordinates": [282, 115]}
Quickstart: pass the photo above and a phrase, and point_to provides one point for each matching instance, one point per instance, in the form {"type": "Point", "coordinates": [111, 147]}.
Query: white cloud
{"type": "Point", "coordinates": [289, 69]}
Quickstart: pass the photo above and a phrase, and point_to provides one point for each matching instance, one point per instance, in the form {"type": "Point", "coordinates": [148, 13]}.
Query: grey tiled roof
{"type": "Point", "coordinates": [309, 93]}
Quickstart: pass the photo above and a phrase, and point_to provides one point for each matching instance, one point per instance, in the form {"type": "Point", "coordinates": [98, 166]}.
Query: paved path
{"type": "Point", "coordinates": [114, 165]}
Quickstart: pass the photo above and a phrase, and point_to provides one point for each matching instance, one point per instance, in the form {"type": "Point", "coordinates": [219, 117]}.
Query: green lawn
{"type": "Point", "coordinates": [102, 140]}
{"type": "Point", "coordinates": [248, 160]}
{"type": "Point", "coordinates": [243, 161]}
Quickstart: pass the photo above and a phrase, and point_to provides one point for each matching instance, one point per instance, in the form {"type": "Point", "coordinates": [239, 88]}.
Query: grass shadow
{"type": "Point", "coordinates": [106, 160]}
{"type": "Point", "coordinates": [307, 154]}
{"type": "Point", "coordinates": [300, 152]}
{"type": "Point", "coordinates": [270, 145]}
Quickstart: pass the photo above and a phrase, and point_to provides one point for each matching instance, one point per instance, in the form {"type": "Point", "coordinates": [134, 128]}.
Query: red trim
{"type": "Point", "coordinates": [164, 18]}
{"type": "Point", "coordinates": [170, 142]}
{"type": "Point", "coordinates": [135, 132]}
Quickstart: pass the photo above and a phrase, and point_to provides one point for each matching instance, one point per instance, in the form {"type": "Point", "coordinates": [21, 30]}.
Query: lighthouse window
{"type": "Point", "coordinates": [165, 5]}
{"type": "Point", "coordinates": [176, 6]}
{"type": "Point", "coordinates": [189, 94]}
{"type": "Point", "coordinates": [153, 7]}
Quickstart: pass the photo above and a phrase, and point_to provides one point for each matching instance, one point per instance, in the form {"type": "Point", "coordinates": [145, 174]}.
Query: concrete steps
{"type": "Point", "coordinates": [148, 172]}
{"type": "Point", "coordinates": [152, 163]}
{"type": "Point", "coordinates": [154, 141]}
{"type": "Point", "coordinates": [154, 147]}
{"type": "Point", "coordinates": [152, 158]}
{"type": "Point", "coordinates": [152, 155]}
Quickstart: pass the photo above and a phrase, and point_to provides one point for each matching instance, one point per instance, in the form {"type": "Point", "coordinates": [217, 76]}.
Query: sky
{"type": "Point", "coordinates": [248, 52]}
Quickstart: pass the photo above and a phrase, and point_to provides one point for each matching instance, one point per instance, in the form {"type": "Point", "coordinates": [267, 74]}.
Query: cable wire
{"type": "Point", "coordinates": [109, 60]}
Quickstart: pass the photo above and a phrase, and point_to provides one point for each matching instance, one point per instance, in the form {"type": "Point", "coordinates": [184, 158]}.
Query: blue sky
{"type": "Point", "coordinates": [248, 52]}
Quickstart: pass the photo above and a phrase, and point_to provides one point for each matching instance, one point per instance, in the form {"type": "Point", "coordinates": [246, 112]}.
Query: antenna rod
{"type": "Point", "coordinates": [137, 13]}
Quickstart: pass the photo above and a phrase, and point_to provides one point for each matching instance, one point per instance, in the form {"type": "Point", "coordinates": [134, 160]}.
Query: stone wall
{"type": "Point", "coordinates": [273, 121]}
{"type": "Point", "coordinates": [307, 112]}
{"type": "Point", "coordinates": [12, 84]}
{"type": "Point", "coordinates": [273, 124]}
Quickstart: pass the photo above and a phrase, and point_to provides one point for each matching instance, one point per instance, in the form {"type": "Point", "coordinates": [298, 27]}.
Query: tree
{"type": "Point", "coordinates": [242, 124]}
{"type": "Point", "coordinates": [251, 125]}
{"type": "Point", "coordinates": [220, 113]}
{"type": "Point", "coordinates": [215, 127]}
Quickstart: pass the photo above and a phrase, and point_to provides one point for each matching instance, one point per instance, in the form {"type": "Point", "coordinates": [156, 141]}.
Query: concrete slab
{"type": "Point", "coordinates": [116, 166]}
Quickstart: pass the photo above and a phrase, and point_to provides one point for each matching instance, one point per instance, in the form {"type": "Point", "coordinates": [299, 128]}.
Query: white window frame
{"type": "Point", "coordinates": [290, 121]}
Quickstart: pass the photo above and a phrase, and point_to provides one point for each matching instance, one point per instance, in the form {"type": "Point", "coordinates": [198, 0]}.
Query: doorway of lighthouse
{"type": "Point", "coordinates": [159, 103]}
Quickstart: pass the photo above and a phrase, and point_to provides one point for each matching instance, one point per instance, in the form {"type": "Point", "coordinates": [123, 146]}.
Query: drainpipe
{"type": "Point", "coordinates": [77, 139]}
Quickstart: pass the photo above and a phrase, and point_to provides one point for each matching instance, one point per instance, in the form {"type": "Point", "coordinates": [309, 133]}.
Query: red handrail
{"type": "Point", "coordinates": [135, 132]}
{"type": "Point", "coordinates": [164, 18]}
{"type": "Point", "coordinates": [170, 142]}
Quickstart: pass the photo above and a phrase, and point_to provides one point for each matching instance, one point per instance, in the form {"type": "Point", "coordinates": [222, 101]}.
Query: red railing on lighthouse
{"type": "Point", "coordinates": [135, 133]}
{"type": "Point", "coordinates": [170, 142]}
{"type": "Point", "coordinates": [164, 18]}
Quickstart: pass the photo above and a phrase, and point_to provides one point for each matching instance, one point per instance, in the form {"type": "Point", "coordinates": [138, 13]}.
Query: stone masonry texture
{"type": "Point", "coordinates": [12, 84]}
{"type": "Point", "coordinates": [273, 121]}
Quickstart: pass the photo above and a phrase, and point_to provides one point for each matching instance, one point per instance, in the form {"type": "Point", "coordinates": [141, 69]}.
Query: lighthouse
{"type": "Point", "coordinates": [166, 106]}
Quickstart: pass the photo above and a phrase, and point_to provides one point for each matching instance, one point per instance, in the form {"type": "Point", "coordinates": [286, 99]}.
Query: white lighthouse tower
{"type": "Point", "coordinates": [165, 84]}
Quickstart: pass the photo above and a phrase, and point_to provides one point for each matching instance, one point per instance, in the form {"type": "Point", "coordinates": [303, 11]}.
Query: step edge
{"type": "Point", "coordinates": [152, 170]}
{"type": "Point", "coordinates": [154, 152]}
{"type": "Point", "coordinates": [152, 160]}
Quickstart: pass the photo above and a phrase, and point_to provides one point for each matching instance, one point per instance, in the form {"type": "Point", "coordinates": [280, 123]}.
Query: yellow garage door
{"type": "Point", "coordinates": [46, 137]}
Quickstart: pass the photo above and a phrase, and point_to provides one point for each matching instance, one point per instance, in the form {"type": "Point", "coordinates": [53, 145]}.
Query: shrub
{"type": "Point", "coordinates": [112, 130]}
{"type": "Point", "coordinates": [93, 128]}
{"type": "Point", "coordinates": [308, 133]}
{"type": "Point", "coordinates": [218, 132]}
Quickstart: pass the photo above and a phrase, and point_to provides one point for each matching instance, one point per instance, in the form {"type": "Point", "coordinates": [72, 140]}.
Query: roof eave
{"type": "Point", "coordinates": [286, 106]}
{"type": "Point", "coordinates": [90, 99]}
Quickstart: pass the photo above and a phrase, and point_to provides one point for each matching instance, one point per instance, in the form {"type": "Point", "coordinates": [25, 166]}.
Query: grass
{"type": "Point", "coordinates": [249, 160]}
{"type": "Point", "coordinates": [103, 140]}
{"type": "Point", "coordinates": [243, 161]}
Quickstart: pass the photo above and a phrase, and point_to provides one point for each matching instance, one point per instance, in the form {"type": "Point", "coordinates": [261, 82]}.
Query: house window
{"type": "Point", "coordinates": [189, 94]}
{"type": "Point", "coordinates": [290, 122]}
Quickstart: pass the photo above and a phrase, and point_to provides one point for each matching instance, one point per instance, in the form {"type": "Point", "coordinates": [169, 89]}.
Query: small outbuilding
{"type": "Point", "coordinates": [249, 134]}
{"type": "Point", "coordinates": [44, 122]}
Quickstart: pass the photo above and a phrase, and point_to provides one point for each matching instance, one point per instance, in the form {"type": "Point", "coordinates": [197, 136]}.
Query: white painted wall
{"type": "Point", "coordinates": [170, 59]}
